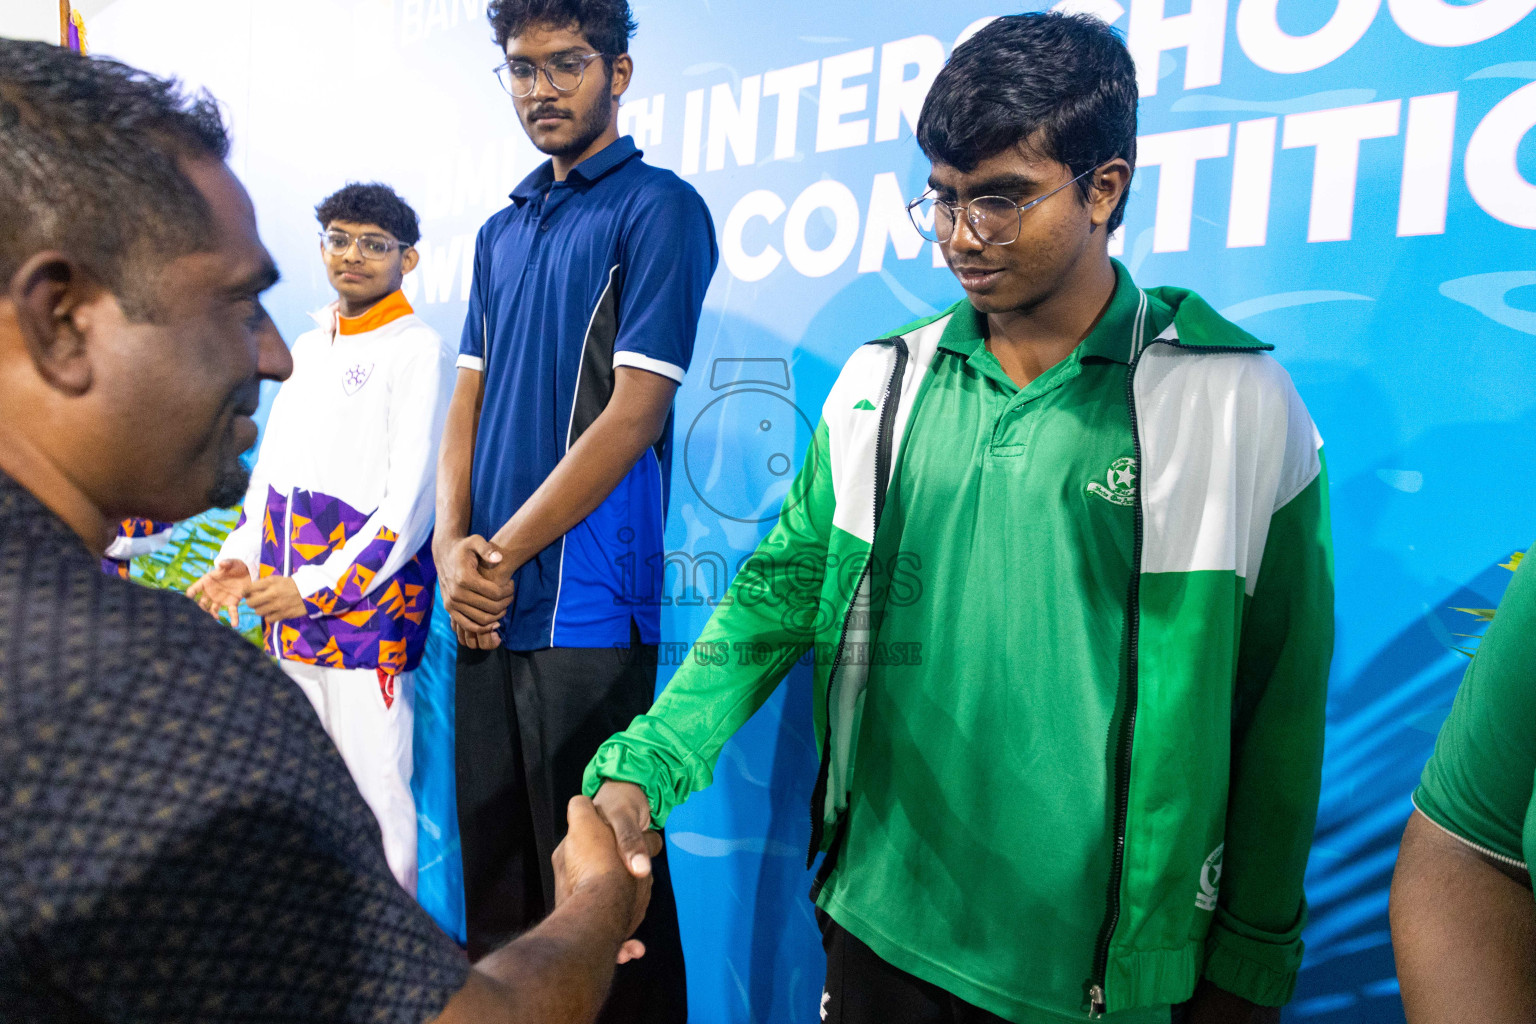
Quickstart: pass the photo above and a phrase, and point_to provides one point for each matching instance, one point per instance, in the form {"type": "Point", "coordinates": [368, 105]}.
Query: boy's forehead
{"type": "Point", "coordinates": [1019, 162]}
{"type": "Point", "coordinates": [546, 39]}
{"type": "Point", "coordinates": [356, 227]}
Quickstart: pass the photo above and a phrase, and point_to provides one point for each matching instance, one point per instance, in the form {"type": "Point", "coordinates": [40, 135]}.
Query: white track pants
{"type": "Point", "coordinates": [374, 739]}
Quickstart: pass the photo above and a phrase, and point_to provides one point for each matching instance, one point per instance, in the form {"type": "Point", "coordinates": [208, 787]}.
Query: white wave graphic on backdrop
{"type": "Point", "coordinates": [1249, 308]}
{"type": "Point", "coordinates": [1489, 295]}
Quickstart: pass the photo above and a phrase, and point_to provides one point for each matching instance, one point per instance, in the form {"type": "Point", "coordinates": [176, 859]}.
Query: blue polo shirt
{"type": "Point", "coordinates": [574, 279]}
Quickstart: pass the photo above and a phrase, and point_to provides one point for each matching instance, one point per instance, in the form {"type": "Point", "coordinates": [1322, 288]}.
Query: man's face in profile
{"type": "Point", "coordinates": [182, 385]}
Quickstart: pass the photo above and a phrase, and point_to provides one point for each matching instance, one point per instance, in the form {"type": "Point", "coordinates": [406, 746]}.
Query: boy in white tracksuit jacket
{"type": "Point", "coordinates": [334, 544]}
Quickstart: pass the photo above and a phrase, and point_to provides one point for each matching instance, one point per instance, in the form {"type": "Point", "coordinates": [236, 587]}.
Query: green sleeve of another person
{"type": "Point", "coordinates": [1478, 783]}
{"type": "Point", "coordinates": [1254, 946]}
{"type": "Point", "coordinates": [772, 604]}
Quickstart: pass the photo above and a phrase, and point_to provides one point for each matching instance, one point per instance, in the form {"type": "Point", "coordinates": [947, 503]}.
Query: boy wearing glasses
{"type": "Point", "coordinates": [555, 464]}
{"type": "Point", "coordinates": [1092, 791]}
{"type": "Point", "coordinates": [333, 549]}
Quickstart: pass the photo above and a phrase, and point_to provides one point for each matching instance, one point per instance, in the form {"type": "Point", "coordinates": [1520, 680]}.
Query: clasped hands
{"type": "Point", "coordinates": [475, 579]}
{"type": "Point", "coordinates": [222, 588]}
{"type": "Point", "coordinates": [606, 854]}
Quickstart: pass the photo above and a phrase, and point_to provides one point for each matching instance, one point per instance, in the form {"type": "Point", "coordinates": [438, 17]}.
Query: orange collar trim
{"type": "Point", "coordinates": [390, 308]}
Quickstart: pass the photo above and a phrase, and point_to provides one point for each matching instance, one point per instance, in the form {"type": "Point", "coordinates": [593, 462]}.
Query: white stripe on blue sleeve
{"type": "Point", "coordinates": [644, 362]}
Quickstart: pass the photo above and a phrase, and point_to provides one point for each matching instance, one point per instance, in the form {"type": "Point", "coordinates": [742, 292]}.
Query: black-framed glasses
{"type": "Point", "coordinates": [995, 220]}
{"type": "Point", "coordinates": [373, 247]}
{"type": "Point", "coordinates": [565, 73]}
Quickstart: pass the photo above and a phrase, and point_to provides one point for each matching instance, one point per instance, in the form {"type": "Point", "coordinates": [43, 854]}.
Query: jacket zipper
{"type": "Point", "coordinates": [883, 441]}
{"type": "Point", "coordinates": [1097, 1003]}
{"type": "Point", "coordinates": [273, 636]}
{"type": "Point", "coordinates": [288, 535]}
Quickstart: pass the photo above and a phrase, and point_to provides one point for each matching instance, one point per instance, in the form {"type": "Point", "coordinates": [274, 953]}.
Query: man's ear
{"type": "Point", "coordinates": [50, 292]}
{"type": "Point", "coordinates": [1109, 183]}
{"type": "Point", "coordinates": [623, 71]}
{"type": "Point", "coordinates": [408, 260]}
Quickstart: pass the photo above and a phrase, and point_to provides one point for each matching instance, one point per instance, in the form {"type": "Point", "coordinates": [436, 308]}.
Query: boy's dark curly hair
{"type": "Point", "coordinates": [372, 203]}
{"type": "Point", "coordinates": [607, 24]}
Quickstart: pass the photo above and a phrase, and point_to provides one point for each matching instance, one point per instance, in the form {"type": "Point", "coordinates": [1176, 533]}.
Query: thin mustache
{"type": "Point", "coordinates": [248, 397]}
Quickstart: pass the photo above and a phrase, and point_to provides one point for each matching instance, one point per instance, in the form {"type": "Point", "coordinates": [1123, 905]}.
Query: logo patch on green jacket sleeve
{"type": "Point", "coordinates": [1210, 879]}
{"type": "Point", "coordinates": [1121, 483]}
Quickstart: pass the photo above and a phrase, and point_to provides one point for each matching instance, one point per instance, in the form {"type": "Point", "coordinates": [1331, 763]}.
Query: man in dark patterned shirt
{"type": "Point", "coordinates": [179, 840]}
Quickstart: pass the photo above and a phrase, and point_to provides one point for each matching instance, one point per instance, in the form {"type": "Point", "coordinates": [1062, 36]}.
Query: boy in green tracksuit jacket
{"type": "Point", "coordinates": [1062, 555]}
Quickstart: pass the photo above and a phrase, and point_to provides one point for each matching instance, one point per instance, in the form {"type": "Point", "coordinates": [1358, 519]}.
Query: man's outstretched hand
{"type": "Point", "coordinates": [475, 577]}
{"type": "Point", "coordinates": [559, 972]}
{"type": "Point", "coordinates": [625, 808]}
{"type": "Point", "coordinates": [221, 588]}
{"type": "Point", "coordinates": [588, 859]}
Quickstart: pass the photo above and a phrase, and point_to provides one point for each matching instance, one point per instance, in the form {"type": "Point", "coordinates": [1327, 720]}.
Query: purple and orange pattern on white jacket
{"type": "Point", "coordinates": [135, 536]}
{"type": "Point", "coordinates": [355, 624]}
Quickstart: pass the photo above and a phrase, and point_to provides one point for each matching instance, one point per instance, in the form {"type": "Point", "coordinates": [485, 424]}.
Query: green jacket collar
{"type": "Point", "coordinates": [1199, 325]}
{"type": "Point", "coordinates": [1116, 336]}
{"type": "Point", "coordinates": [1129, 320]}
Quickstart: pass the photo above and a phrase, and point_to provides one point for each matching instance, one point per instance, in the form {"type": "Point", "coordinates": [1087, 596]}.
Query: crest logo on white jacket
{"type": "Point", "coordinates": [356, 377]}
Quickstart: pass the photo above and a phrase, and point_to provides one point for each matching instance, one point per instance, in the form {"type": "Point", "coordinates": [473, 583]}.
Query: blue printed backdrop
{"type": "Point", "coordinates": [1349, 180]}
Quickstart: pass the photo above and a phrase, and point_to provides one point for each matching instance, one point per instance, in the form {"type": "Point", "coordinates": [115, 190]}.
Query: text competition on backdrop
{"type": "Point", "coordinates": [872, 95]}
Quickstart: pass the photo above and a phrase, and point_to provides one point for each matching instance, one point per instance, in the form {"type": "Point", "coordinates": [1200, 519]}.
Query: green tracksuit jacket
{"type": "Point", "coordinates": [1230, 630]}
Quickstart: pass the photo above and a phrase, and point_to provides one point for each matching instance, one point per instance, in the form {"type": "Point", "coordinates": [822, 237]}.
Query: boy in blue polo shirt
{"type": "Point", "coordinates": [554, 469]}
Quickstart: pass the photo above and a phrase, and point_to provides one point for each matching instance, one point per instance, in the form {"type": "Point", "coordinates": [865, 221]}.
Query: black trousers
{"type": "Point", "coordinates": [864, 989]}
{"type": "Point", "coordinates": [527, 724]}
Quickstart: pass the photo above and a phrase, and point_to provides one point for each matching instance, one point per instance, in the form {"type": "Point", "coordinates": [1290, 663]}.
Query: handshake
{"type": "Point", "coordinates": [561, 970]}
{"type": "Point", "coordinates": [603, 865]}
